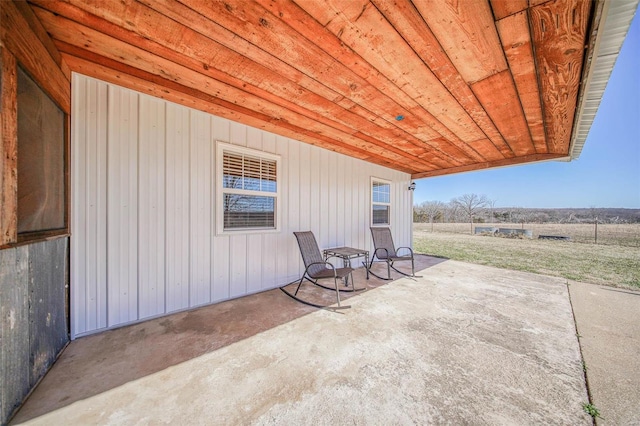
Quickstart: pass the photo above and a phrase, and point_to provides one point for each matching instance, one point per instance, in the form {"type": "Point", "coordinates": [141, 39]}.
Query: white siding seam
{"type": "Point", "coordinates": [165, 266]}
{"type": "Point", "coordinates": [213, 178]}
{"type": "Point", "coordinates": [188, 206]}
{"type": "Point", "coordinates": [138, 239]}
{"type": "Point", "coordinates": [187, 146]}
{"type": "Point", "coordinates": [106, 207]}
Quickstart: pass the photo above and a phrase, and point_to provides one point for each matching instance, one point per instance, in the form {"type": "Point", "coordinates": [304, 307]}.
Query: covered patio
{"type": "Point", "coordinates": [463, 344]}
{"type": "Point", "coordinates": [168, 120]}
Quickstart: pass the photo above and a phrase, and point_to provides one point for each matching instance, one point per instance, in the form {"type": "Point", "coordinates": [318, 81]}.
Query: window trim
{"type": "Point", "coordinates": [374, 203]}
{"type": "Point", "coordinates": [221, 147]}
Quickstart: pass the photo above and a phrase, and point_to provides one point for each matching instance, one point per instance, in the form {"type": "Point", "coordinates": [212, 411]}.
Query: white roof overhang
{"type": "Point", "coordinates": [604, 47]}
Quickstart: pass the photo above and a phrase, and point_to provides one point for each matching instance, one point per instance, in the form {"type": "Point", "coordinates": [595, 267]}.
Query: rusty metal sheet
{"type": "Point", "coordinates": [14, 325]}
{"type": "Point", "coordinates": [47, 323]}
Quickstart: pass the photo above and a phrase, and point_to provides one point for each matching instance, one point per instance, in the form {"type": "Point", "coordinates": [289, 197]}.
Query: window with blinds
{"type": "Point", "coordinates": [380, 202]}
{"type": "Point", "coordinates": [249, 189]}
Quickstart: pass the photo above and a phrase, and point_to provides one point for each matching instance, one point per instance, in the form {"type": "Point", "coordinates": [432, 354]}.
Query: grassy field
{"type": "Point", "coordinates": [611, 234]}
{"type": "Point", "coordinates": [614, 263]}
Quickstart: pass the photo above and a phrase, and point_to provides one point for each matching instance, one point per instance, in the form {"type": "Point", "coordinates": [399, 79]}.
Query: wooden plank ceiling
{"type": "Point", "coordinates": [428, 87]}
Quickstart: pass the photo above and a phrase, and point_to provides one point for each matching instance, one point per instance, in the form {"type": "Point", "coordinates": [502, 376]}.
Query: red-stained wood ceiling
{"type": "Point", "coordinates": [428, 87]}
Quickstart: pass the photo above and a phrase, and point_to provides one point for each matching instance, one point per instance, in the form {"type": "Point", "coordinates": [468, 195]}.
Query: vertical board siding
{"type": "Point", "coordinates": [254, 241]}
{"type": "Point", "coordinates": [151, 205]}
{"type": "Point", "coordinates": [122, 206]}
{"type": "Point", "coordinates": [323, 232]}
{"type": "Point", "coordinates": [200, 224]}
{"type": "Point", "coordinates": [89, 286]}
{"type": "Point", "coordinates": [177, 208]}
{"type": "Point", "coordinates": [284, 262]}
{"type": "Point", "coordinates": [269, 241]}
{"type": "Point", "coordinates": [78, 206]}
{"type": "Point", "coordinates": [220, 289]}
{"type": "Point", "coordinates": [97, 192]}
{"type": "Point", "coordinates": [304, 181]}
{"type": "Point", "coordinates": [314, 194]}
{"type": "Point", "coordinates": [350, 217]}
{"type": "Point", "coordinates": [144, 236]}
{"type": "Point", "coordinates": [238, 265]}
{"type": "Point", "coordinates": [340, 212]}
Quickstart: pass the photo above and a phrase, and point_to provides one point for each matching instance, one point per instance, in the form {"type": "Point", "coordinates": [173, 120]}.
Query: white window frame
{"type": "Point", "coordinates": [378, 203]}
{"type": "Point", "coordinates": [221, 148]}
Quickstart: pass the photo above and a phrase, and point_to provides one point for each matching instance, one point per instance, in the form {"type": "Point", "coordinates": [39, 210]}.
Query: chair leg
{"type": "Point", "coordinates": [370, 271]}
{"type": "Point", "coordinates": [298, 288]}
{"type": "Point", "coordinates": [413, 270]}
{"type": "Point", "coordinates": [337, 290]}
{"type": "Point", "coordinates": [388, 269]}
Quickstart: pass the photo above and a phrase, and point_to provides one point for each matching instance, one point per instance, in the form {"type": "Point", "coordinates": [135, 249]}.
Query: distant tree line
{"type": "Point", "coordinates": [474, 208]}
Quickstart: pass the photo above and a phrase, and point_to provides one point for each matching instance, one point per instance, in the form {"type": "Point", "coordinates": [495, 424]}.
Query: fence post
{"type": "Point", "coordinates": [596, 231]}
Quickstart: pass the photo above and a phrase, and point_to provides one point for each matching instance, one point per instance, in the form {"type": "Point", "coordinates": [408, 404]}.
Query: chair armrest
{"type": "Point", "coordinates": [406, 248]}
{"type": "Point", "coordinates": [322, 263]}
{"type": "Point", "coordinates": [375, 252]}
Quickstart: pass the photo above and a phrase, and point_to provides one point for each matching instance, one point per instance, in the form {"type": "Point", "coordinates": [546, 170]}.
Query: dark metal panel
{"type": "Point", "coordinates": [14, 327]}
{"type": "Point", "coordinates": [47, 322]}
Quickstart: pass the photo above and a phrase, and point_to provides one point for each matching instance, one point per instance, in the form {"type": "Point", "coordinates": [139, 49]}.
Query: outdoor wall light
{"type": "Point", "coordinates": [412, 186]}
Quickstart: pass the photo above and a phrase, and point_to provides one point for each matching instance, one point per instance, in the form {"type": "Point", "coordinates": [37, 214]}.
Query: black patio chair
{"type": "Point", "coordinates": [317, 268]}
{"type": "Point", "coordinates": [385, 251]}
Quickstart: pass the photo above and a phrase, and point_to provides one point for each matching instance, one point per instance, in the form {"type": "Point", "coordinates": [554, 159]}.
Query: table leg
{"type": "Point", "coordinates": [346, 263]}
{"type": "Point", "coordinates": [366, 263]}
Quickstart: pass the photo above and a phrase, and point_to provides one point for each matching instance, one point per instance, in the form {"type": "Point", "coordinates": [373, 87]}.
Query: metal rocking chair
{"type": "Point", "coordinates": [316, 268]}
{"type": "Point", "coordinates": [385, 251]}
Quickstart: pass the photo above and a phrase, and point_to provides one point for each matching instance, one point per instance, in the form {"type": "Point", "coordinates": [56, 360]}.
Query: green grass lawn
{"type": "Point", "coordinates": [612, 265]}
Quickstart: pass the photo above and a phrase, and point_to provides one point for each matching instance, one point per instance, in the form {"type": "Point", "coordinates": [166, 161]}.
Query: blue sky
{"type": "Point", "coordinates": [607, 173]}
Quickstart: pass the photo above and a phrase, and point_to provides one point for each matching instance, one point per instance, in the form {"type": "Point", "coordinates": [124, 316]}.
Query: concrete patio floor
{"type": "Point", "coordinates": [608, 322]}
{"type": "Point", "coordinates": [463, 344]}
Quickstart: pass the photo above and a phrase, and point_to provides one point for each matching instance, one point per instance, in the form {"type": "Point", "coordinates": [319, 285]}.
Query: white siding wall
{"type": "Point", "coordinates": [143, 227]}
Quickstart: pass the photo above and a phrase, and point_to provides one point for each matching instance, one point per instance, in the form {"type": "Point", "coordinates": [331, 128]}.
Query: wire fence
{"type": "Point", "coordinates": [591, 233]}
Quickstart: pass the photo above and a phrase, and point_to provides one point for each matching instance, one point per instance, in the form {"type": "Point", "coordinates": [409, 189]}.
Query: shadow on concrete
{"type": "Point", "coordinates": [95, 364]}
{"type": "Point", "coordinates": [619, 290]}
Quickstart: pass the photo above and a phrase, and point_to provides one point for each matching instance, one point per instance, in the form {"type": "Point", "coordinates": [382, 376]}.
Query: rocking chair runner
{"type": "Point", "coordinates": [316, 268]}
{"type": "Point", "coordinates": [386, 251]}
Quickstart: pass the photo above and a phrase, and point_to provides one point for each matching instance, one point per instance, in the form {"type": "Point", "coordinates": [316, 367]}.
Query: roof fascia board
{"type": "Point", "coordinates": [612, 20]}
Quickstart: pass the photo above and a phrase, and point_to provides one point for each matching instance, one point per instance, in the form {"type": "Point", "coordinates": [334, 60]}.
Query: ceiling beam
{"type": "Point", "coordinates": [559, 31]}
{"type": "Point", "coordinates": [516, 42]}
